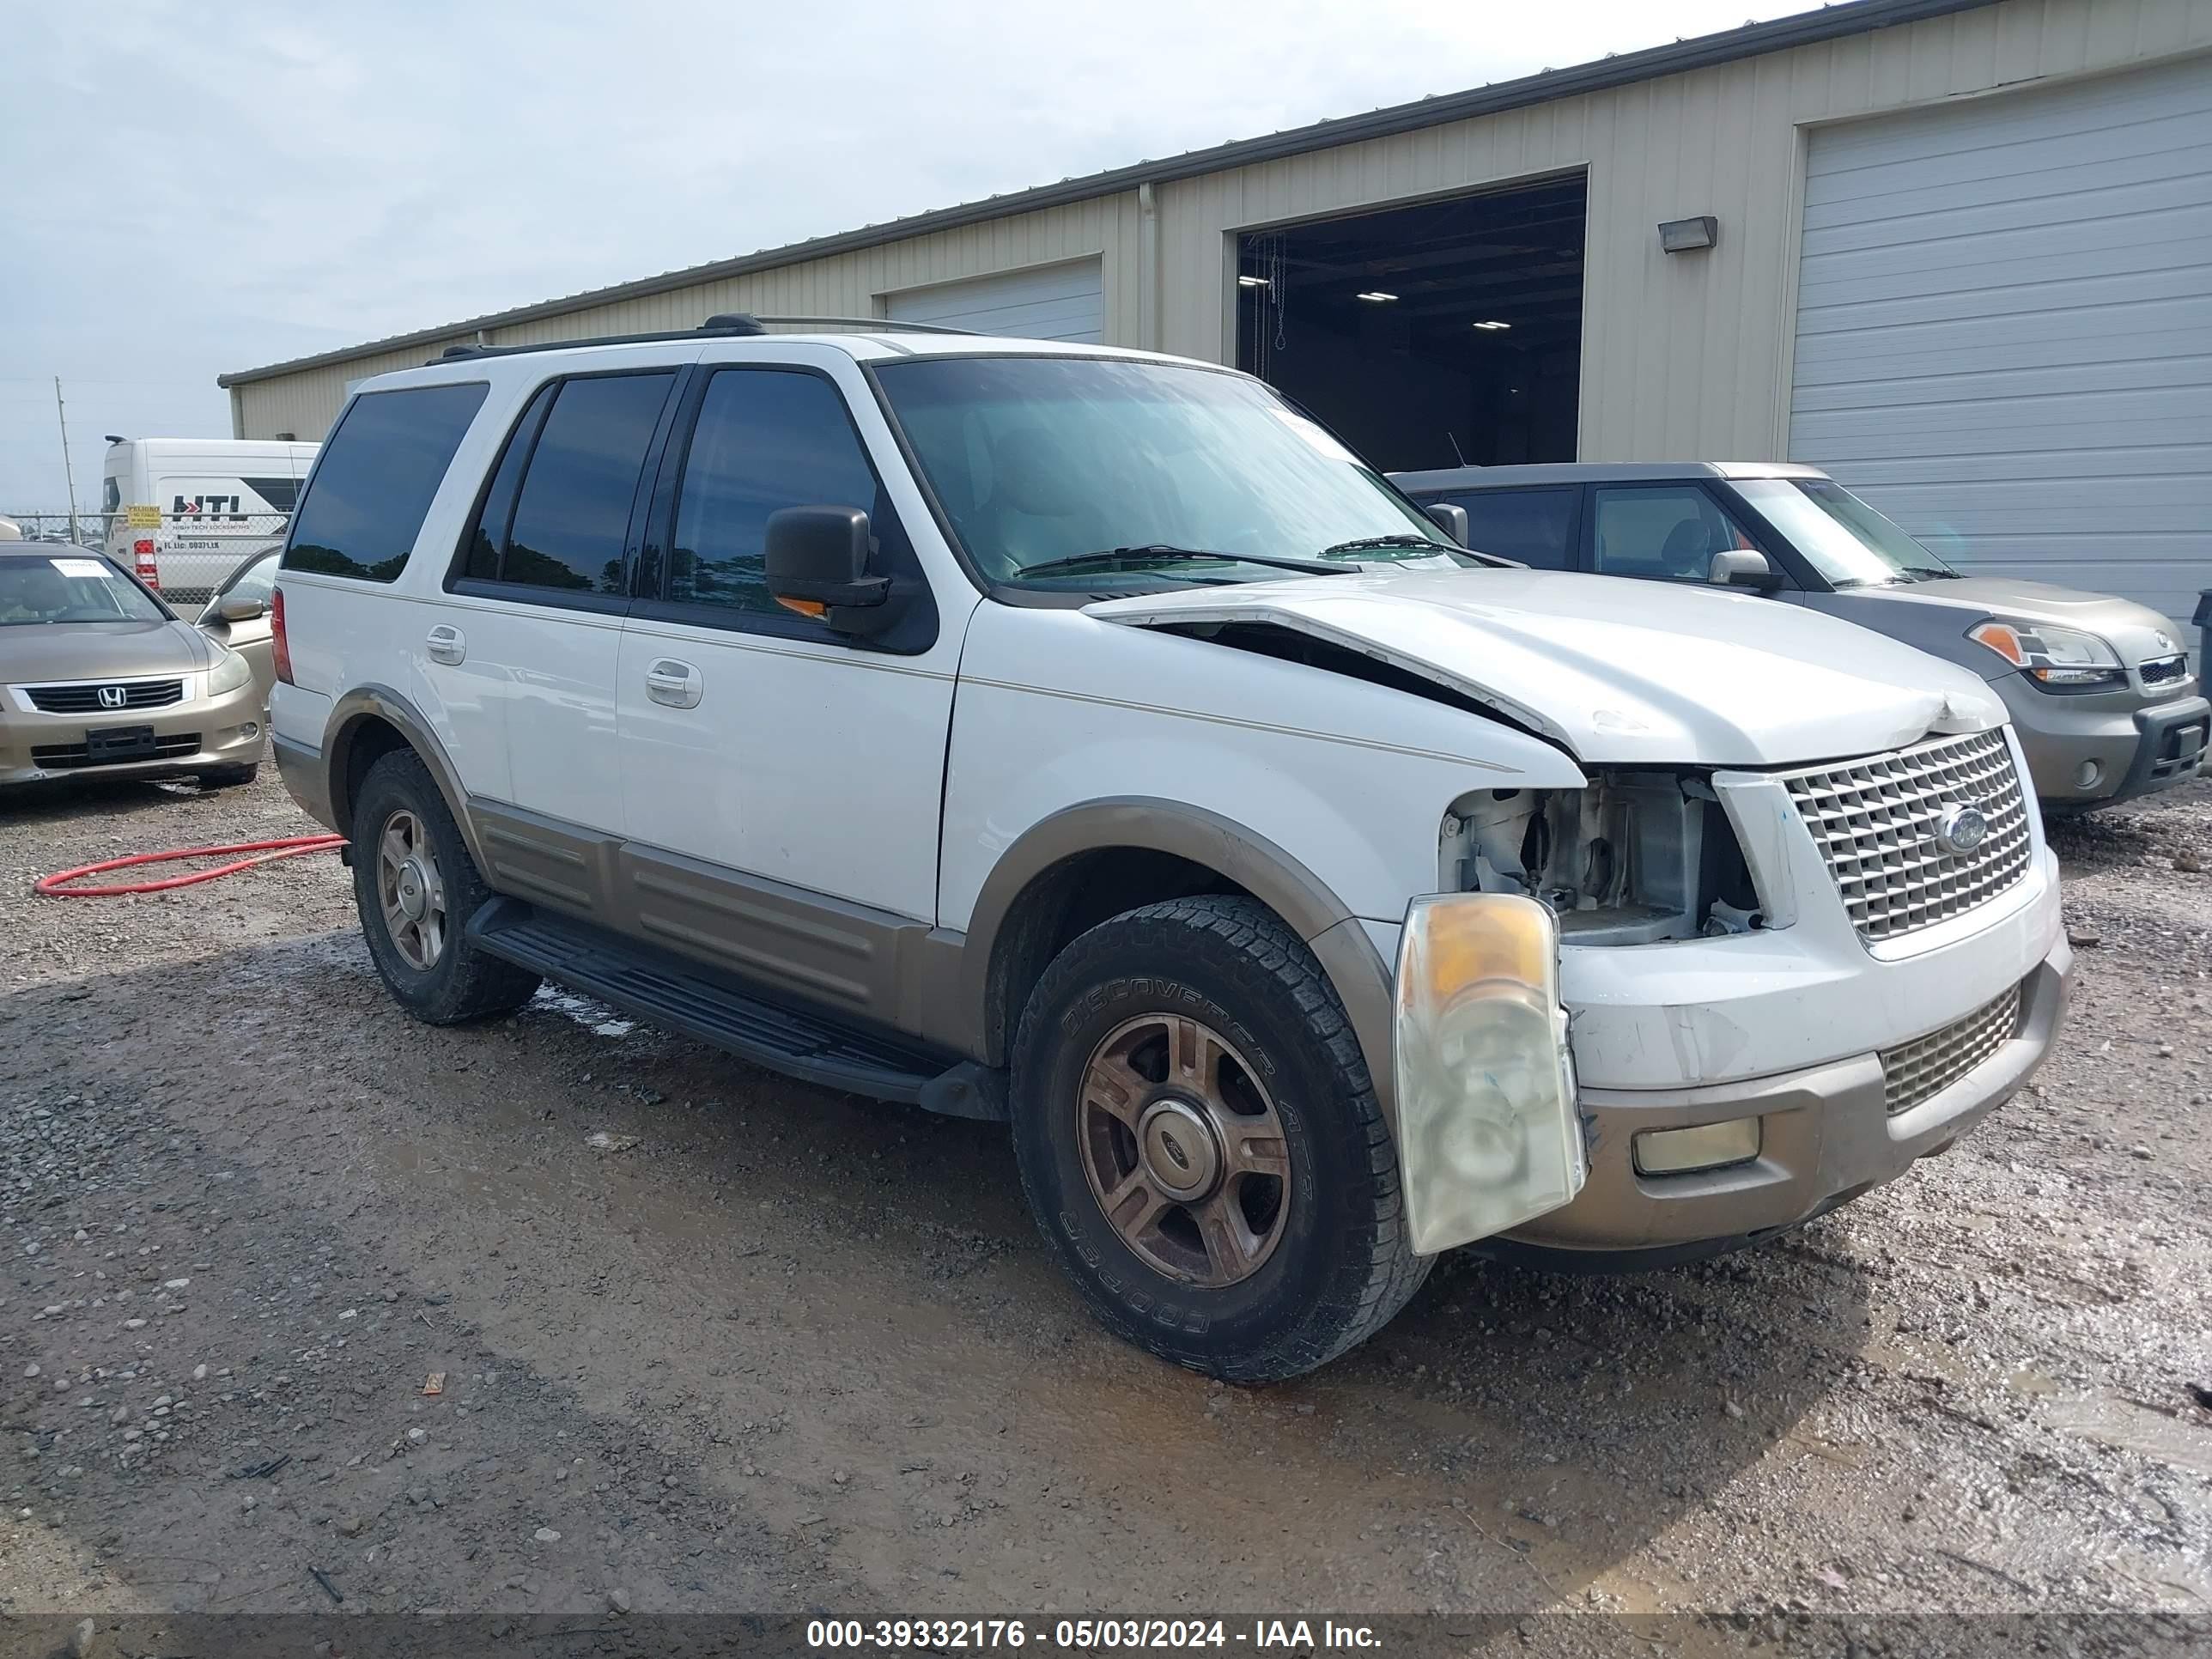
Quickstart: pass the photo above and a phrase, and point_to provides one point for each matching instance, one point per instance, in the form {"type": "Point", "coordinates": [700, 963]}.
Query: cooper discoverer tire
{"type": "Point", "coordinates": [416, 887]}
{"type": "Point", "coordinates": [1202, 1144]}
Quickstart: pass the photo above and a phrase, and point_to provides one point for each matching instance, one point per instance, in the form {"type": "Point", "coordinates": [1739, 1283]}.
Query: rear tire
{"type": "Point", "coordinates": [1202, 1144]}
{"type": "Point", "coordinates": [416, 887]}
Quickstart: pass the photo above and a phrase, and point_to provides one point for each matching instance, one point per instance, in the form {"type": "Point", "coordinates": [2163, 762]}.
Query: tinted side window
{"type": "Point", "coordinates": [764, 440]}
{"type": "Point", "coordinates": [573, 517]}
{"type": "Point", "coordinates": [1532, 526]}
{"type": "Point", "coordinates": [374, 479]}
{"type": "Point", "coordinates": [1670, 531]}
{"type": "Point", "coordinates": [488, 535]}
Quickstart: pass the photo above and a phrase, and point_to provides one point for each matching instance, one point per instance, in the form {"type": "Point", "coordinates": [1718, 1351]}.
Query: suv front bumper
{"type": "Point", "coordinates": [1826, 1138]}
{"type": "Point", "coordinates": [2134, 750]}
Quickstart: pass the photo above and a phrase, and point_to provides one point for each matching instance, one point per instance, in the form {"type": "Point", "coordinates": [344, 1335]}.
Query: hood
{"type": "Point", "coordinates": [2138, 633]}
{"type": "Point", "coordinates": [39, 653]}
{"type": "Point", "coordinates": [1619, 672]}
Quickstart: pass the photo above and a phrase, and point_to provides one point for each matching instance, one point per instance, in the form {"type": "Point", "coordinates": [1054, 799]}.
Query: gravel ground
{"type": "Point", "coordinates": [784, 1349]}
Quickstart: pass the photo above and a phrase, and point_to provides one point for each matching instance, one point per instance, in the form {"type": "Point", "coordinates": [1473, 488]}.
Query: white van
{"type": "Point", "coordinates": [184, 513]}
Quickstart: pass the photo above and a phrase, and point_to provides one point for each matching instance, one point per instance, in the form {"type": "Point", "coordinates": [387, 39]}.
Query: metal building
{"type": "Point", "coordinates": [1959, 251]}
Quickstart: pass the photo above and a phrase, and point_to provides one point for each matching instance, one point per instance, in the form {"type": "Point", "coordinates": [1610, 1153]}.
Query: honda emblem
{"type": "Point", "coordinates": [113, 696]}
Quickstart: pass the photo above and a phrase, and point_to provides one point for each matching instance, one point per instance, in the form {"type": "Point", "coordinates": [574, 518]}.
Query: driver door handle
{"type": "Point", "coordinates": [677, 684]}
{"type": "Point", "coordinates": [446, 644]}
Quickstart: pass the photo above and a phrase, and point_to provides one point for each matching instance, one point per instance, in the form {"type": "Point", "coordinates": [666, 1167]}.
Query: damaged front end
{"type": "Point", "coordinates": [1490, 1136]}
{"type": "Point", "coordinates": [1635, 857]}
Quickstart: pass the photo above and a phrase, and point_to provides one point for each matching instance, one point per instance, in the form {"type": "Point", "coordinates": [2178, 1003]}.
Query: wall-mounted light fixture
{"type": "Point", "coordinates": [1687, 236]}
{"type": "Point", "coordinates": [1252, 281]}
{"type": "Point", "coordinates": [1376, 296]}
{"type": "Point", "coordinates": [1491, 325]}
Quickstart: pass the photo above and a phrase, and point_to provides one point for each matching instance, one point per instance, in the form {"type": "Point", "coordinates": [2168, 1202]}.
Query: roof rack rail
{"type": "Point", "coordinates": [872, 325]}
{"type": "Point", "coordinates": [723, 324]}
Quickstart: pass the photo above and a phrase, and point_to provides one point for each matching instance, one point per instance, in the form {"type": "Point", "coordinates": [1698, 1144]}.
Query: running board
{"type": "Point", "coordinates": [703, 1004]}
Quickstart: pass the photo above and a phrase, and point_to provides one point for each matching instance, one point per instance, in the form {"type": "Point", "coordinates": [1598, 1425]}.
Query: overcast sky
{"type": "Point", "coordinates": [186, 189]}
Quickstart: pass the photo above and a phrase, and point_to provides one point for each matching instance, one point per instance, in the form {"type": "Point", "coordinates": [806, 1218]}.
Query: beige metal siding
{"type": "Point", "coordinates": [847, 285]}
{"type": "Point", "coordinates": [1685, 356]}
{"type": "Point", "coordinates": [306, 403]}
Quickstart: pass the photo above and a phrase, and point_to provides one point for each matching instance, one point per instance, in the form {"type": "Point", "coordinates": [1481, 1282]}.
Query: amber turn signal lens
{"type": "Point", "coordinates": [2002, 639]}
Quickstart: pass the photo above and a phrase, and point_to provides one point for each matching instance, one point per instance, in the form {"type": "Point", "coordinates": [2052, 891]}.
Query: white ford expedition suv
{"type": "Point", "coordinates": [1085, 739]}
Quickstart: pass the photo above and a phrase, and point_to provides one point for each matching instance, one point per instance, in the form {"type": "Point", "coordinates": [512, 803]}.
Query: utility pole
{"type": "Point", "coordinates": [69, 478]}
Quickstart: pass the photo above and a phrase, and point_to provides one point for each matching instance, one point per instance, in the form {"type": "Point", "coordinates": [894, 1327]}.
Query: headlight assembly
{"type": "Point", "coordinates": [2062, 658]}
{"type": "Point", "coordinates": [230, 672]}
{"type": "Point", "coordinates": [1488, 1134]}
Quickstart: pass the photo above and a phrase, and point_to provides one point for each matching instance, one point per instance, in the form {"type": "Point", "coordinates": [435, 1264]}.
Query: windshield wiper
{"type": "Point", "coordinates": [1933, 573]}
{"type": "Point", "coordinates": [1161, 553]}
{"type": "Point", "coordinates": [1398, 539]}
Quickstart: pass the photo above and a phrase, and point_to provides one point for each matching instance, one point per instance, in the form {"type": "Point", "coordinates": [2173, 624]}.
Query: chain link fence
{"type": "Point", "coordinates": [89, 529]}
{"type": "Point", "coordinates": [185, 554]}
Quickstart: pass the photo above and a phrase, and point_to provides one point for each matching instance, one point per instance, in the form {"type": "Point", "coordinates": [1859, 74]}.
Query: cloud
{"type": "Point", "coordinates": [195, 188]}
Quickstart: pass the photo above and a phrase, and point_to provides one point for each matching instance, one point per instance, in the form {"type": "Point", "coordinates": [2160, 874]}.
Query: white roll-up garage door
{"type": "Point", "coordinates": [2004, 328]}
{"type": "Point", "coordinates": [1043, 302]}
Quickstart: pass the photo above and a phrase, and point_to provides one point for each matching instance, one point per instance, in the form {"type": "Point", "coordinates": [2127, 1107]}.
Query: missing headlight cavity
{"type": "Point", "coordinates": [1634, 858]}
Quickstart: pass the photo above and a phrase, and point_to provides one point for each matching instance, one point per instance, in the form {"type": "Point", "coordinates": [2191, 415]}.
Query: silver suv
{"type": "Point", "coordinates": [2099, 688]}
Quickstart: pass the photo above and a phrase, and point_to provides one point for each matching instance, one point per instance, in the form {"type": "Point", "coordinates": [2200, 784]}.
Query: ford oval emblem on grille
{"type": "Point", "coordinates": [1960, 830]}
{"type": "Point", "coordinates": [113, 696]}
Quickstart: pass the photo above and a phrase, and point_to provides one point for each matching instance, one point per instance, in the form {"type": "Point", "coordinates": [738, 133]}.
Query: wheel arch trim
{"type": "Point", "coordinates": [1348, 955]}
{"type": "Point", "coordinates": [351, 715]}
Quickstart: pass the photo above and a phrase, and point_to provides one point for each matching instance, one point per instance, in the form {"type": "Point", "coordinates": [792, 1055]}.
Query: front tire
{"type": "Point", "coordinates": [416, 887]}
{"type": "Point", "coordinates": [1201, 1143]}
{"type": "Point", "coordinates": [230, 777]}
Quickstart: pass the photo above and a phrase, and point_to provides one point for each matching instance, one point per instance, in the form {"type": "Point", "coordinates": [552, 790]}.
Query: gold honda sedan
{"type": "Point", "coordinates": [98, 677]}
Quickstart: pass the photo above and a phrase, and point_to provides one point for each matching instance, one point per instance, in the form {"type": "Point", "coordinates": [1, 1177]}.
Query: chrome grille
{"type": "Point", "coordinates": [85, 699]}
{"type": "Point", "coordinates": [2164, 670]}
{"type": "Point", "coordinates": [1923, 1068]}
{"type": "Point", "coordinates": [1876, 820]}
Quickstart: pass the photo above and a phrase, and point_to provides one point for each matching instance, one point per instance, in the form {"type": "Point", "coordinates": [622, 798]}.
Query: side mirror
{"type": "Point", "coordinates": [817, 562]}
{"type": "Point", "coordinates": [1740, 567]}
{"type": "Point", "coordinates": [241, 609]}
{"type": "Point", "coordinates": [1450, 518]}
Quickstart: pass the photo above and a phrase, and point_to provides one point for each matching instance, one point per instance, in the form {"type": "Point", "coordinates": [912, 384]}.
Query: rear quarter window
{"type": "Point", "coordinates": [1533, 525]}
{"type": "Point", "coordinates": [375, 479]}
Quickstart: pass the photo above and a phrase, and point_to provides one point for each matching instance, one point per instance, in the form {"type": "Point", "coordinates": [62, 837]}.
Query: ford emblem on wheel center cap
{"type": "Point", "coordinates": [1960, 829]}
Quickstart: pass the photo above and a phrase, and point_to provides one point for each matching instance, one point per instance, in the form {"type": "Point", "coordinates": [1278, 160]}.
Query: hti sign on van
{"type": "Point", "coordinates": [206, 506]}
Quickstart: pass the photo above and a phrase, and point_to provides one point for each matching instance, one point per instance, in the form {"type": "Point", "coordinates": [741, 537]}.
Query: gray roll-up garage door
{"type": "Point", "coordinates": [1043, 302]}
{"type": "Point", "coordinates": [2004, 328]}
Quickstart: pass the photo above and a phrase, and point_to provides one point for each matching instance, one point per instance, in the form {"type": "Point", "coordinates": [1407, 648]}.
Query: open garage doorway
{"type": "Point", "coordinates": [1431, 334]}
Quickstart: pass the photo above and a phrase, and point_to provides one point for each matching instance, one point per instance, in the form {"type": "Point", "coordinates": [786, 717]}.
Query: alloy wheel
{"type": "Point", "coordinates": [410, 890]}
{"type": "Point", "coordinates": [1184, 1150]}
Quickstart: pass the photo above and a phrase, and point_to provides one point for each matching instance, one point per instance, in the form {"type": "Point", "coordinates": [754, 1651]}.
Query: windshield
{"type": "Point", "coordinates": [71, 587]}
{"type": "Point", "coordinates": [1843, 538]}
{"type": "Point", "coordinates": [1043, 461]}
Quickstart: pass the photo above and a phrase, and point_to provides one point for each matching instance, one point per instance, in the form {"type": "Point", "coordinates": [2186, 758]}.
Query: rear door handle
{"type": "Point", "coordinates": [446, 644]}
{"type": "Point", "coordinates": [676, 683]}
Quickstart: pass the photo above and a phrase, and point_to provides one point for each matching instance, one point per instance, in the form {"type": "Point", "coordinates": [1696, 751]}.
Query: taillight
{"type": "Point", "coordinates": [280, 648]}
{"type": "Point", "coordinates": [143, 552]}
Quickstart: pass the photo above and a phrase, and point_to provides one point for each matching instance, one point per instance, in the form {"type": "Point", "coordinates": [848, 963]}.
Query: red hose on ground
{"type": "Point", "coordinates": [291, 847]}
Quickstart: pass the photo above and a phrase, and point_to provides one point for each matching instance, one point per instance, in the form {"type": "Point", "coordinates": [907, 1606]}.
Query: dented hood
{"type": "Point", "coordinates": [1619, 672]}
